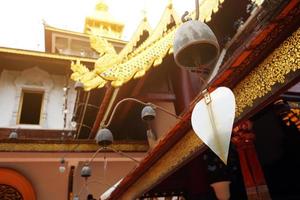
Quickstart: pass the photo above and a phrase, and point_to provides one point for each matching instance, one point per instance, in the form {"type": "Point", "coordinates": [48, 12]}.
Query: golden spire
{"type": "Point", "coordinates": [144, 14]}
{"type": "Point", "coordinates": [102, 22]}
{"type": "Point", "coordinates": [170, 4]}
{"type": "Point", "coordinates": [101, 6]}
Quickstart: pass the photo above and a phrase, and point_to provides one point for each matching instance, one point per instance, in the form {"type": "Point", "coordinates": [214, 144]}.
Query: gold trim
{"type": "Point", "coordinates": [158, 32]}
{"type": "Point", "coordinates": [273, 70]}
{"type": "Point", "coordinates": [50, 28]}
{"type": "Point", "coordinates": [129, 47]}
{"type": "Point", "coordinates": [62, 147]}
{"type": "Point", "coordinates": [45, 55]}
{"type": "Point", "coordinates": [176, 156]}
{"type": "Point", "coordinates": [82, 34]}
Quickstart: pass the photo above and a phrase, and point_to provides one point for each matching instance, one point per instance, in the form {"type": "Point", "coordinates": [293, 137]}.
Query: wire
{"type": "Point", "coordinates": [123, 154]}
{"type": "Point", "coordinates": [138, 101]}
{"type": "Point", "coordinates": [114, 150]}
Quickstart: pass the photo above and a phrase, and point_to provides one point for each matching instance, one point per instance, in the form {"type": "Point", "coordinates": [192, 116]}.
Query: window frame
{"type": "Point", "coordinates": [25, 90]}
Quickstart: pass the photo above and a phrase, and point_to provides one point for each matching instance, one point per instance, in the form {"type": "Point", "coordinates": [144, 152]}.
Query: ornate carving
{"type": "Point", "coordinates": [33, 79]}
{"type": "Point", "coordinates": [54, 147]}
{"type": "Point", "coordinates": [8, 192]}
{"type": "Point", "coordinates": [19, 187]}
{"type": "Point", "coordinates": [120, 68]}
{"type": "Point", "coordinates": [289, 113]}
{"type": "Point", "coordinates": [282, 61]}
{"type": "Point", "coordinates": [242, 135]}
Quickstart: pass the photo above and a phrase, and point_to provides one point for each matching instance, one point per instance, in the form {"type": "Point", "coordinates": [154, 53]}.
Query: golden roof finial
{"type": "Point", "coordinates": [102, 22]}
{"type": "Point", "coordinates": [101, 6]}
{"type": "Point", "coordinates": [170, 4]}
{"type": "Point", "coordinates": [144, 14]}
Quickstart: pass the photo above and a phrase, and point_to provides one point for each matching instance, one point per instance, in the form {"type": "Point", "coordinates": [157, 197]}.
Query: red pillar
{"type": "Point", "coordinates": [253, 175]}
{"type": "Point", "coordinates": [183, 90]}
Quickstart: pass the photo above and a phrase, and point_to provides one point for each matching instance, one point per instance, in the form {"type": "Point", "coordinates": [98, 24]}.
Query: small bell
{"type": "Point", "coordinates": [104, 137]}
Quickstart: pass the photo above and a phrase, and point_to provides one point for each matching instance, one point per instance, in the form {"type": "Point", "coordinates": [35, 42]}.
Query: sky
{"type": "Point", "coordinates": [21, 21]}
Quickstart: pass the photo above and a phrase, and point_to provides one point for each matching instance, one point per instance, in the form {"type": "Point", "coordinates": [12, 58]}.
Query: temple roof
{"type": "Point", "coordinates": [143, 28]}
{"type": "Point", "coordinates": [151, 52]}
{"type": "Point", "coordinates": [38, 54]}
{"type": "Point", "coordinates": [156, 47]}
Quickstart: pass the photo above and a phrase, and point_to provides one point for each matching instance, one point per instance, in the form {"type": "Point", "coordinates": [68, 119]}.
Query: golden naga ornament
{"type": "Point", "coordinates": [120, 68]}
{"type": "Point", "coordinates": [108, 58]}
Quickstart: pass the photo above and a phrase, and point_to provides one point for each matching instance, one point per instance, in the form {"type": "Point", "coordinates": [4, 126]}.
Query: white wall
{"type": "Point", "coordinates": [7, 96]}
{"type": "Point", "coordinates": [13, 82]}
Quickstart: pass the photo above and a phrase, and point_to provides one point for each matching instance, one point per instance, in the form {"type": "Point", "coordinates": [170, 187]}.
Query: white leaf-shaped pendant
{"type": "Point", "coordinates": [212, 120]}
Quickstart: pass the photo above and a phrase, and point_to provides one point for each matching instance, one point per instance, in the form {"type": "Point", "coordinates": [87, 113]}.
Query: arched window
{"type": "Point", "coordinates": [15, 186]}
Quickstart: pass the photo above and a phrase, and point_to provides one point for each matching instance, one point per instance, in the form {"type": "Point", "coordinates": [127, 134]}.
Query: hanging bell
{"type": "Point", "coordinates": [86, 171]}
{"type": "Point", "coordinates": [104, 137]}
{"type": "Point", "coordinates": [196, 48]}
{"type": "Point", "coordinates": [148, 113]}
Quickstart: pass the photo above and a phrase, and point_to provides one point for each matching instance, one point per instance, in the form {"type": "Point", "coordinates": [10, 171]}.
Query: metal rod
{"type": "Point", "coordinates": [88, 105]}
{"type": "Point", "coordinates": [95, 154]}
{"type": "Point", "coordinates": [186, 13]}
{"type": "Point", "coordinates": [208, 102]}
{"type": "Point", "coordinates": [164, 110]}
{"type": "Point", "coordinates": [112, 149]}
{"type": "Point", "coordinates": [197, 9]}
{"type": "Point", "coordinates": [86, 183]}
{"type": "Point", "coordinates": [123, 154]}
{"type": "Point", "coordinates": [138, 101]}
{"type": "Point", "coordinates": [84, 110]}
{"type": "Point", "coordinates": [183, 17]}
{"type": "Point", "coordinates": [86, 126]}
{"type": "Point", "coordinates": [73, 149]}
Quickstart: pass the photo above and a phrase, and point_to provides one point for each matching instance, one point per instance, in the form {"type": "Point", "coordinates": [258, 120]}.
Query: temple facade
{"type": "Point", "coordinates": [56, 104]}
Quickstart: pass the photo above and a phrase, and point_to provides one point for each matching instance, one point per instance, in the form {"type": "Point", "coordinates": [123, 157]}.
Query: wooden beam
{"type": "Point", "coordinates": [135, 92]}
{"type": "Point", "coordinates": [261, 35]}
{"type": "Point", "coordinates": [159, 96]}
{"type": "Point", "coordinates": [70, 182]}
{"type": "Point", "coordinates": [9, 145]}
{"type": "Point", "coordinates": [101, 112]}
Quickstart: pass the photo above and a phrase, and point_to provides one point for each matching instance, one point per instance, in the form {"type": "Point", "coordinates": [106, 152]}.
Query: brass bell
{"type": "Point", "coordinates": [196, 47]}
